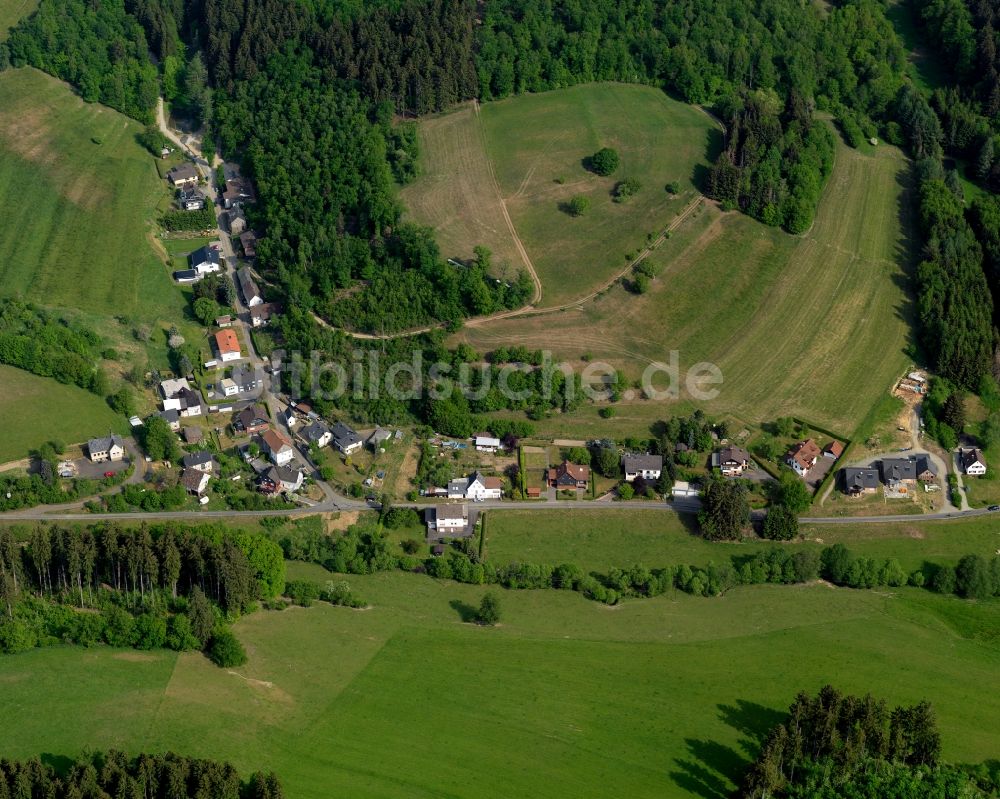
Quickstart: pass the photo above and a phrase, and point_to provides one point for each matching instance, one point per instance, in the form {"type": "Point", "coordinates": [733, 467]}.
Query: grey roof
{"type": "Point", "coordinates": [860, 479]}
{"type": "Point", "coordinates": [104, 444]}
{"type": "Point", "coordinates": [189, 398]}
{"type": "Point", "coordinates": [899, 469]}
{"type": "Point", "coordinates": [344, 436]}
{"type": "Point", "coordinates": [183, 171]}
{"type": "Point", "coordinates": [315, 431]}
{"type": "Point", "coordinates": [972, 456]}
{"type": "Point", "coordinates": [203, 255]}
{"type": "Point", "coordinates": [638, 463]}
{"type": "Point", "coordinates": [450, 512]}
{"type": "Point", "coordinates": [247, 286]}
{"type": "Point", "coordinates": [458, 485]}
{"type": "Point", "coordinates": [186, 274]}
{"type": "Point", "coordinates": [733, 455]}
{"type": "Point", "coordinates": [379, 435]}
{"type": "Point", "coordinates": [197, 458]}
{"type": "Point", "coordinates": [192, 479]}
{"type": "Point", "coordinates": [251, 414]}
{"type": "Point", "coordinates": [283, 474]}
{"type": "Point", "coordinates": [170, 416]}
{"type": "Point", "coordinates": [925, 464]}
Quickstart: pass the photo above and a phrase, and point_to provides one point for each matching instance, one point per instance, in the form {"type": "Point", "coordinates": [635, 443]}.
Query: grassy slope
{"type": "Point", "coordinates": [533, 140]}
{"type": "Point", "coordinates": [599, 540]}
{"type": "Point", "coordinates": [11, 12]}
{"type": "Point", "coordinates": [38, 409]}
{"type": "Point", "coordinates": [77, 213]}
{"type": "Point", "coordinates": [658, 698]}
{"type": "Point", "coordinates": [814, 325]}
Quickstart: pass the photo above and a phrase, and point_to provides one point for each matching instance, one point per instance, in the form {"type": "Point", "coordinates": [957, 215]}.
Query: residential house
{"type": "Point", "coordinates": [194, 481]}
{"type": "Point", "coordinates": [224, 321]}
{"type": "Point", "coordinates": [238, 192]}
{"type": "Point", "coordinates": [237, 221]}
{"type": "Point", "coordinates": [477, 488]}
{"type": "Point", "coordinates": [973, 462]}
{"type": "Point", "coordinates": [248, 240]}
{"type": "Point", "coordinates": [202, 460]}
{"type": "Point", "coordinates": [261, 315]}
{"type": "Point", "coordinates": [227, 345]}
{"type": "Point", "coordinates": [833, 450]}
{"type": "Point", "coordinates": [171, 388]}
{"type": "Point", "coordinates": [110, 448]}
{"type": "Point", "coordinates": [288, 417]}
{"type": "Point", "coordinates": [569, 475]}
{"type": "Point", "coordinates": [185, 402]}
{"type": "Point", "coordinates": [183, 175]}
{"type": "Point", "coordinates": [187, 276]}
{"type": "Point", "coordinates": [192, 435]}
{"type": "Point", "coordinates": [803, 456]}
{"type": "Point", "coordinates": [378, 437]}
{"type": "Point", "coordinates": [190, 199]}
{"type": "Point", "coordinates": [245, 378]}
{"type": "Point", "coordinates": [278, 447]}
{"type": "Point", "coordinates": [228, 387]}
{"type": "Point", "coordinates": [172, 417]}
{"type": "Point", "coordinates": [279, 478]}
{"type": "Point", "coordinates": [251, 420]}
{"type": "Point", "coordinates": [447, 521]}
{"type": "Point", "coordinates": [486, 443]}
{"type": "Point", "coordinates": [860, 481]}
{"type": "Point", "coordinates": [317, 433]}
{"type": "Point", "coordinates": [731, 461]}
{"type": "Point", "coordinates": [205, 260]}
{"type": "Point", "coordinates": [648, 467]}
{"type": "Point", "coordinates": [899, 473]}
{"type": "Point", "coordinates": [926, 470]}
{"type": "Point", "coordinates": [248, 288]}
{"type": "Point", "coordinates": [345, 439]}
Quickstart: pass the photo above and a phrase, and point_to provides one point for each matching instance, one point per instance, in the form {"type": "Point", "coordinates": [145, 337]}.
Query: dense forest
{"type": "Point", "coordinates": [143, 587]}
{"type": "Point", "coordinates": [835, 744]}
{"type": "Point", "coordinates": [115, 774]}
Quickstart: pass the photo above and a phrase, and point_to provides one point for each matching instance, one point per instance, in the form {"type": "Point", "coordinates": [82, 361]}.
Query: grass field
{"type": "Point", "coordinates": [76, 232]}
{"type": "Point", "coordinates": [815, 326]}
{"type": "Point", "coordinates": [536, 144]}
{"type": "Point", "coordinates": [11, 12]}
{"type": "Point", "coordinates": [70, 413]}
{"type": "Point", "coordinates": [601, 539]}
{"type": "Point", "coordinates": [659, 698]}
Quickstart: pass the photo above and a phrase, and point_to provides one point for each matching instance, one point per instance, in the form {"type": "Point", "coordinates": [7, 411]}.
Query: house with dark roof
{"type": "Point", "coordinates": [251, 420]}
{"type": "Point", "coordinates": [110, 448]}
{"type": "Point", "coordinates": [926, 470]}
{"type": "Point", "coordinates": [205, 259]}
{"type": "Point", "coordinates": [899, 472]}
{"type": "Point", "coordinates": [194, 481]}
{"type": "Point", "coordinates": [190, 199]}
{"type": "Point", "coordinates": [648, 467]}
{"type": "Point", "coordinates": [860, 481]}
{"type": "Point", "coordinates": [187, 275]}
{"type": "Point", "coordinates": [345, 439]}
{"type": "Point", "coordinates": [377, 438]}
{"type": "Point", "coordinates": [248, 240]}
{"type": "Point", "coordinates": [238, 192]}
{"type": "Point", "coordinates": [276, 479]}
{"type": "Point", "coordinates": [973, 462]}
{"type": "Point", "coordinates": [248, 288]}
{"type": "Point", "coordinates": [803, 456]}
{"type": "Point", "coordinates": [172, 417]}
{"type": "Point", "coordinates": [731, 461]}
{"type": "Point", "coordinates": [448, 521]}
{"type": "Point", "coordinates": [569, 476]}
{"type": "Point", "coordinates": [316, 433]}
{"type": "Point", "coordinates": [183, 175]}
{"type": "Point", "coordinates": [203, 461]}
{"type": "Point", "coordinates": [261, 315]}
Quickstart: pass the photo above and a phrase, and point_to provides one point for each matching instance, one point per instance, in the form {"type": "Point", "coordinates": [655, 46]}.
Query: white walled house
{"type": "Point", "coordinates": [648, 467]}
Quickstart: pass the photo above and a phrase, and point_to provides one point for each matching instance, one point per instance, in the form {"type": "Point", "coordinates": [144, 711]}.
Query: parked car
{"type": "Point", "coordinates": [109, 474]}
{"type": "Point", "coordinates": [994, 507]}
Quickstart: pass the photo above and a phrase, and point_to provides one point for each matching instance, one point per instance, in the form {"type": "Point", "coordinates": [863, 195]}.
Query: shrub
{"type": "Point", "coordinates": [225, 650]}
{"type": "Point", "coordinates": [604, 161]}
{"type": "Point", "coordinates": [626, 189]}
{"type": "Point", "coordinates": [606, 412]}
{"type": "Point", "coordinates": [578, 206]}
{"type": "Point", "coordinates": [489, 610]}
{"type": "Point", "coordinates": [302, 592]}
{"type": "Point", "coordinates": [150, 631]}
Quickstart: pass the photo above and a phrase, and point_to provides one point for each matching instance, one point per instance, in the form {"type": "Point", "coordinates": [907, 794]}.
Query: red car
{"type": "Point", "coordinates": [109, 474]}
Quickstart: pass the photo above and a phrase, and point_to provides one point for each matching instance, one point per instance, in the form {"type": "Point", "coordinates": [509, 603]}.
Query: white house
{"type": "Point", "coordinates": [731, 461]}
{"type": "Point", "coordinates": [228, 346]}
{"type": "Point", "coordinates": [973, 462]}
{"type": "Point", "coordinates": [345, 439]}
{"type": "Point", "coordinates": [317, 433]}
{"type": "Point", "coordinates": [248, 288]}
{"type": "Point", "coordinates": [201, 461]}
{"type": "Point", "coordinates": [229, 387]}
{"type": "Point", "coordinates": [447, 521]}
{"type": "Point", "coordinates": [195, 481]}
{"type": "Point", "coordinates": [205, 260]}
{"type": "Point", "coordinates": [278, 447]}
{"type": "Point", "coordinates": [110, 448]}
{"type": "Point", "coordinates": [648, 467]}
{"type": "Point", "coordinates": [486, 443]}
{"type": "Point", "coordinates": [476, 488]}
{"type": "Point", "coordinates": [803, 456]}
{"type": "Point", "coordinates": [171, 388]}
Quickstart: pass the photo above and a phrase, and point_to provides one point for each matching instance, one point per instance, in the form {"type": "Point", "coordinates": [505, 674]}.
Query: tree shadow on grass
{"type": "Point", "coordinates": [465, 611]}
{"type": "Point", "coordinates": [61, 764]}
{"type": "Point", "coordinates": [711, 769]}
